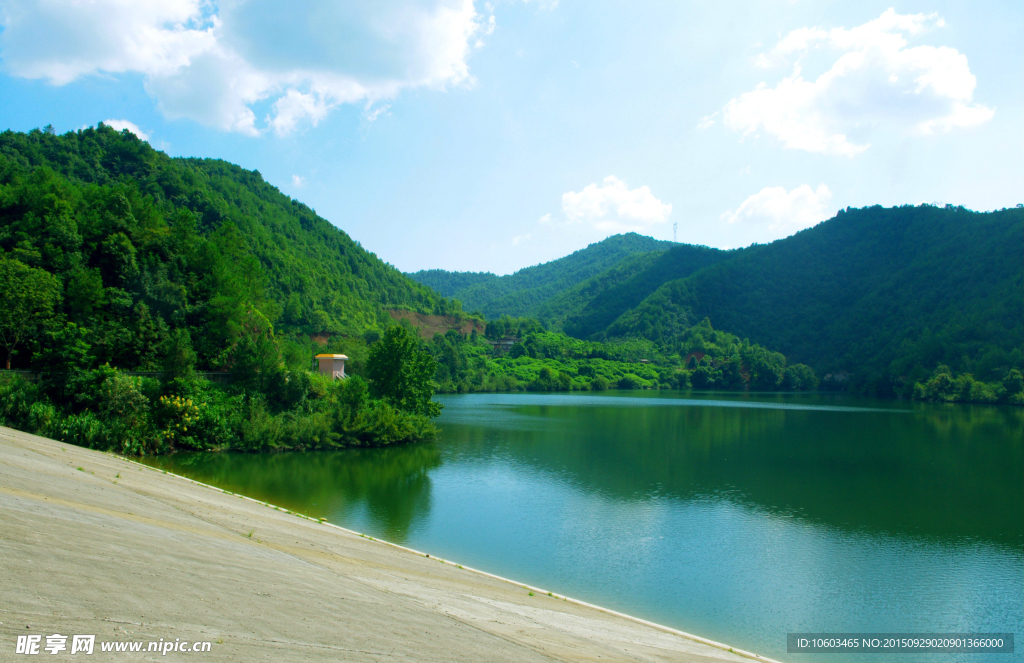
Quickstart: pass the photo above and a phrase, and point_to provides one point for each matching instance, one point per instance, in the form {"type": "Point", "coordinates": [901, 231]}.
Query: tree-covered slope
{"type": "Point", "coordinates": [524, 292]}
{"type": "Point", "coordinates": [143, 245]}
{"type": "Point", "coordinates": [449, 284]}
{"type": "Point", "coordinates": [883, 295]}
{"type": "Point", "coordinates": [593, 305]}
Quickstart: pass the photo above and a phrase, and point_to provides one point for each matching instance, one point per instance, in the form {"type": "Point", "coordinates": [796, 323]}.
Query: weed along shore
{"type": "Point", "coordinates": [94, 544]}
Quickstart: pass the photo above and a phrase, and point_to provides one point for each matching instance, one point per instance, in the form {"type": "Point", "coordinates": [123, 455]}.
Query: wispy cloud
{"type": "Point", "coordinates": [707, 121]}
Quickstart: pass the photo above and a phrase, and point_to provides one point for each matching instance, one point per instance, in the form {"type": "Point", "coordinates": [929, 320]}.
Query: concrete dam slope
{"type": "Point", "coordinates": [94, 544]}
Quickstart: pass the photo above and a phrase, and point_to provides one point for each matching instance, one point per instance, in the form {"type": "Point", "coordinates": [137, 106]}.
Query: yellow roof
{"type": "Point", "coordinates": [332, 356]}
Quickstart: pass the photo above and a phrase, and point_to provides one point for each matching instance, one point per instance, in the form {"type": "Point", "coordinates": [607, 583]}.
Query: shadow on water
{"type": "Point", "coordinates": [390, 486]}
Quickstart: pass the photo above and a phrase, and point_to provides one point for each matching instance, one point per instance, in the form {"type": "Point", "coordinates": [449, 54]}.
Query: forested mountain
{"type": "Point", "coordinates": [449, 284]}
{"type": "Point", "coordinates": [875, 299]}
{"type": "Point", "coordinates": [524, 292]}
{"type": "Point", "coordinates": [115, 258]}
{"type": "Point", "coordinates": [593, 305]}
{"type": "Point", "coordinates": [143, 244]}
{"type": "Point", "coordinates": [883, 295]}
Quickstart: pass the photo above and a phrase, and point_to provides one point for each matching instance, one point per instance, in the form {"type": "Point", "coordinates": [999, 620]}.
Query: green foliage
{"type": "Point", "coordinates": [799, 377]}
{"type": "Point", "coordinates": [401, 373]}
{"type": "Point", "coordinates": [125, 412]}
{"type": "Point", "coordinates": [28, 299]}
{"type": "Point", "coordinates": [199, 242]}
{"type": "Point", "coordinates": [113, 255]}
{"type": "Point", "coordinates": [945, 387]}
{"type": "Point", "coordinates": [523, 293]}
{"type": "Point", "coordinates": [179, 357]}
{"type": "Point", "coordinates": [705, 358]}
{"type": "Point", "coordinates": [873, 298]}
{"type": "Point", "coordinates": [593, 305]}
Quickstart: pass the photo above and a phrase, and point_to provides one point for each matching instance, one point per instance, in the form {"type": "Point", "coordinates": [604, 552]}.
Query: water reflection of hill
{"type": "Point", "coordinates": [391, 485]}
{"type": "Point", "coordinates": [945, 473]}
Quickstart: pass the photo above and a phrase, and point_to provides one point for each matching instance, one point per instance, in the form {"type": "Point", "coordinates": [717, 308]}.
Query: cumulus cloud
{"type": "Point", "coordinates": [519, 239]}
{"type": "Point", "coordinates": [214, 63]}
{"type": "Point", "coordinates": [298, 180]}
{"type": "Point", "coordinates": [614, 207]}
{"type": "Point", "coordinates": [61, 41]}
{"type": "Point", "coordinates": [773, 212]}
{"type": "Point", "coordinates": [875, 79]}
{"type": "Point", "coordinates": [121, 125]}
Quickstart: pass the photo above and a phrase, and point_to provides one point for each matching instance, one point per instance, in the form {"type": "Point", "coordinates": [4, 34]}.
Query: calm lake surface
{"type": "Point", "coordinates": [735, 517]}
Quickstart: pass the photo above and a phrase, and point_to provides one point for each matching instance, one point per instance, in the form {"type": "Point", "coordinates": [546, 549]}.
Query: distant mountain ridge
{"type": "Point", "coordinates": [525, 291]}
{"type": "Point", "coordinates": [882, 294]}
{"type": "Point", "coordinates": [878, 296]}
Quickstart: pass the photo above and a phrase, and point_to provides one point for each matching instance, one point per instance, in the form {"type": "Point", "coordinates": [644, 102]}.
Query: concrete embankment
{"type": "Point", "coordinates": [93, 544]}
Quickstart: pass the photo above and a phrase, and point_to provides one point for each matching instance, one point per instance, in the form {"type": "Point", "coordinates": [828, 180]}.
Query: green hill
{"type": "Point", "coordinates": [143, 244]}
{"type": "Point", "coordinates": [880, 295]}
{"type": "Point", "coordinates": [593, 305]}
{"type": "Point", "coordinates": [526, 291]}
{"type": "Point", "coordinates": [450, 284]}
{"type": "Point", "coordinates": [875, 299]}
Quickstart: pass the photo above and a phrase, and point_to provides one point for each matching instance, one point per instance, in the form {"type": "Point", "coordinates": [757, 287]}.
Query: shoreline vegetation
{"type": "Point", "coordinates": [115, 258]}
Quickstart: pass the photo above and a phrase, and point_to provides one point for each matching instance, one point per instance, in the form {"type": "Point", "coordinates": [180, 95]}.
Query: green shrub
{"type": "Point", "coordinates": [85, 430]}
{"type": "Point", "coordinates": [630, 381]}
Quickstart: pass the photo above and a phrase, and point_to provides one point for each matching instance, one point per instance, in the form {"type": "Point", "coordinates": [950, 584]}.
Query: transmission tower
{"type": "Point", "coordinates": [674, 227]}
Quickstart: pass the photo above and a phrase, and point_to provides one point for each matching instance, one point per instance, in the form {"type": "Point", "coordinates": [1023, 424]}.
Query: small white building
{"type": "Point", "coordinates": [333, 365]}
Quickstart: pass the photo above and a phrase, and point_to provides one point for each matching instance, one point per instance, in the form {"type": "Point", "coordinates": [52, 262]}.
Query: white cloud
{"type": "Point", "coordinates": [707, 121]}
{"type": "Point", "coordinates": [874, 80]}
{"type": "Point", "coordinates": [213, 63]}
{"type": "Point", "coordinates": [298, 180]}
{"type": "Point", "coordinates": [773, 213]}
{"type": "Point", "coordinates": [614, 207]}
{"type": "Point", "coordinates": [519, 239]}
{"type": "Point", "coordinates": [120, 125]}
{"type": "Point", "coordinates": [373, 113]}
{"type": "Point", "coordinates": [545, 220]}
{"type": "Point", "coordinates": [61, 41]}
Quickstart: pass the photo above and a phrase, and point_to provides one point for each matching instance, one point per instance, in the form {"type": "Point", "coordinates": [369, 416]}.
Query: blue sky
{"type": "Point", "coordinates": [492, 136]}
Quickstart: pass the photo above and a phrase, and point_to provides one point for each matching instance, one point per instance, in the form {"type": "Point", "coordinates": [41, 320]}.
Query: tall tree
{"type": "Point", "coordinates": [401, 372]}
{"type": "Point", "coordinates": [28, 296]}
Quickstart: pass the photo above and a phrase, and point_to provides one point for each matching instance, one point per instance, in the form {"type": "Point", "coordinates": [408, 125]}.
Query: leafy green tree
{"type": "Point", "coordinates": [256, 357]}
{"type": "Point", "coordinates": [179, 357]}
{"type": "Point", "coordinates": [1013, 383]}
{"type": "Point", "coordinates": [125, 410]}
{"type": "Point", "coordinates": [84, 293]}
{"type": "Point", "coordinates": [64, 361]}
{"type": "Point", "coordinates": [29, 296]}
{"type": "Point", "coordinates": [401, 373]}
{"type": "Point", "coordinates": [799, 377]}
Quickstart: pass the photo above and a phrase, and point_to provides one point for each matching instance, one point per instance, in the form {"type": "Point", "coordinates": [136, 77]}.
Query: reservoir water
{"type": "Point", "coordinates": [739, 518]}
